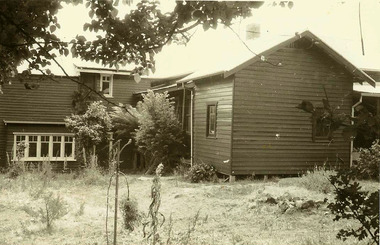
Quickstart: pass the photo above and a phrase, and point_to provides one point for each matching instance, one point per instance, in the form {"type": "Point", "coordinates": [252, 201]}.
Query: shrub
{"type": "Point", "coordinates": [130, 213]}
{"type": "Point", "coordinates": [93, 176]}
{"type": "Point", "coordinates": [317, 180]}
{"type": "Point", "coordinates": [368, 164]}
{"type": "Point", "coordinates": [54, 208]}
{"type": "Point", "coordinates": [91, 128]}
{"type": "Point", "coordinates": [159, 135]}
{"type": "Point", "coordinates": [201, 172]}
{"type": "Point", "coordinates": [353, 203]}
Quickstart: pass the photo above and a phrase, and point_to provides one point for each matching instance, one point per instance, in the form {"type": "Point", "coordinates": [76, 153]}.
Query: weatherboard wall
{"type": "Point", "coordinates": [213, 150]}
{"type": "Point", "coordinates": [123, 87]}
{"type": "Point", "coordinates": [51, 102]}
{"type": "Point", "coordinates": [272, 136]}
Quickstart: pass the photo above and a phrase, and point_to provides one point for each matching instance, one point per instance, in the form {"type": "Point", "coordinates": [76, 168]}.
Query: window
{"type": "Point", "coordinates": [211, 120]}
{"type": "Point", "coordinates": [106, 85]}
{"type": "Point", "coordinates": [321, 126]}
{"type": "Point", "coordinates": [36, 147]}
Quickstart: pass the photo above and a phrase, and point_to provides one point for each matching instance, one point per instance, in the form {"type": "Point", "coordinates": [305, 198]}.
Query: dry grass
{"type": "Point", "coordinates": [218, 213]}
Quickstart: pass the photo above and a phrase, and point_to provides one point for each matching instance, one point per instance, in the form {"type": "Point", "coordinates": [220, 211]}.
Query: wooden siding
{"type": "Point", "coordinates": [272, 136]}
{"type": "Point", "coordinates": [51, 102]}
{"type": "Point", "coordinates": [123, 87]}
{"type": "Point", "coordinates": [215, 151]}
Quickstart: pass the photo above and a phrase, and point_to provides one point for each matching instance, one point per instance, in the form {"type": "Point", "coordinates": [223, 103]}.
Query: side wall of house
{"type": "Point", "coordinates": [51, 102]}
{"type": "Point", "coordinates": [272, 136]}
{"type": "Point", "coordinates": [215, 151]}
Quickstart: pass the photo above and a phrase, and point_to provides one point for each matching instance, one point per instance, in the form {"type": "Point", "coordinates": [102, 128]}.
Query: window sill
{"type": "Point", "coordinates": [211, 137]}
{"type": "Point", "coordinates": [39, 159]}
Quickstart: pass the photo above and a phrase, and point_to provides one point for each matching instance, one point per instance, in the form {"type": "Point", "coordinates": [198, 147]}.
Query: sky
{"type": "Point", "coordinates": [336, 22]}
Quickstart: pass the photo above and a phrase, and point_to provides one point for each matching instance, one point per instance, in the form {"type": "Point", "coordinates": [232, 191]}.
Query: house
{"type": "Point", "coordinates": [243, 115]}
{"type": "Point", "coordinates": [36, 116]}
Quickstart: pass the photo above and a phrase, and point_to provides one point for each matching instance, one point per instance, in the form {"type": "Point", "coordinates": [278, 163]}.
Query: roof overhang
{"type": "Point", "coordinates": [102, 70]}
{"type": "Point", "coordinates": [33, 122]}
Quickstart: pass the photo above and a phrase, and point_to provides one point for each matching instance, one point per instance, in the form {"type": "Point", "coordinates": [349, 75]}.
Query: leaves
{"type": "Point", "coordinates": [353, 203]}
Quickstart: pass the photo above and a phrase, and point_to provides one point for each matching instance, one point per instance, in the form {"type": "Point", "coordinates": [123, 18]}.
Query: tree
{"type": "Point", "coordinates": [27, 32]}
{"type": "Point", "coordinates": [159, 135]}
{"type": "Point", "coordinates": [27, 35]}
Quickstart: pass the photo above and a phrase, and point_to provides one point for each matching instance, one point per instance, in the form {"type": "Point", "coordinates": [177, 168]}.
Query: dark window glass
{"type": "Point", "coordinates": [211, 120]}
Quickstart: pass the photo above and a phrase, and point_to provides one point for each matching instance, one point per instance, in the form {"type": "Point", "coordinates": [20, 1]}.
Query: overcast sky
{"type": "Point", "coordinates": [335, 22]}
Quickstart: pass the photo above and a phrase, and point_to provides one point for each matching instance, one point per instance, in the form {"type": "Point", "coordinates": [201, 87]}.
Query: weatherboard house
{"type": "Point", "coordinates": [37, 116]}
{"type": "Point", "coordinates": [241, 112]}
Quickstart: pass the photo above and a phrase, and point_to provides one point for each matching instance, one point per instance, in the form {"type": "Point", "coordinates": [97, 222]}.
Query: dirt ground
{"type": "Point", "coordinates": [244, 212]}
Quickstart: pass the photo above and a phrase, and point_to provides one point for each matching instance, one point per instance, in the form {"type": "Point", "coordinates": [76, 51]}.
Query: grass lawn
{"type": "Point", "coordinates": [210, 213]}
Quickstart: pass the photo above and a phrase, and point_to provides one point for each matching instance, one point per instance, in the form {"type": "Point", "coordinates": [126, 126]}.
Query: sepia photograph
{"type": "Point", "coordinates": [182, 122]}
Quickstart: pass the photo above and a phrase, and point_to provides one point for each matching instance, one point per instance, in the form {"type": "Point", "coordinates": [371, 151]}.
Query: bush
{"type": "Point", "coordinates": [368, 164]}
{"type": "Point", "coordinates": [54, 208]}
{"type": "Point", "coordinates": [353, 203]}
{"type": "Point", "coordinates": [159, 135]}
{"type": "Point", "coordinates": [317, 180]}
{"type": "Point", "coordinates": [130, 213]}
{"type": "Point", "coordinates": [93, 176]}
{"type": "Point", "coordinates": [201, 172]}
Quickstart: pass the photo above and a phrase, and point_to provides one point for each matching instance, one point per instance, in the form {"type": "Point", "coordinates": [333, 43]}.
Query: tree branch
{"type": "Point", "coordinates": [28, 36]}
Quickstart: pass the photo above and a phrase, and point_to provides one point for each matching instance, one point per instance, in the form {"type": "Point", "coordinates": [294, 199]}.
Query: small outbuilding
{"type": "Point", "coordinates": [243, 116]}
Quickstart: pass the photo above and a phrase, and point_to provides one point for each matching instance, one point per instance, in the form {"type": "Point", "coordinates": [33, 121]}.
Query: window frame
{"type": "Point", "coordinates": [208, 115]}
{"type": "Point", "coordinates": [316, 137]}
{"type": "Point", "coordinates": [50, 156]}
{"type": "Point", "coordinates": [110, 94]}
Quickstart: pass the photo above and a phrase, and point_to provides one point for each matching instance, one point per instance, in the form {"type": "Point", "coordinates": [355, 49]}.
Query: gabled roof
{"type": "Point", "coordinates": [228, 68]}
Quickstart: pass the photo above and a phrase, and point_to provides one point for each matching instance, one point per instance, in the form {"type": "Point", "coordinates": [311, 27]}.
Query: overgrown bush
{"type": "Point", "coordinates": [91, 128]}
{"type": "Point", "coordinates": [317, 180]}
{"type": "Point", "coordinates": [353, 203]}
{"type": "Point", "coordinates": [53, 208]}
{"type": "Point", "coordinates": [92, 176]}
{"type": "Point", "coordinates": [368, 164]}
{"type": "Point", "coordinates": [201, 172]}
{"type": "Point", "coordinates": [130, 213]}
{"type": "Point", "coordinates": [159, 135]}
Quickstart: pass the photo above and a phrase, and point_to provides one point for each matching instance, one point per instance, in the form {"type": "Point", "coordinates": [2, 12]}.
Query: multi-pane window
{"type": "Point", "coordinates": [106, 85]}
{"type": "Point", "coordinates": [36, 147]}
{"type": "Point", "coordinates": [211, 120]}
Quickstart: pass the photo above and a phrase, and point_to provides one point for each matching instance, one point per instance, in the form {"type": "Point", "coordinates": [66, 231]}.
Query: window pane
{"type": "Point", "coordinates": [32, 146]}
{"type": "Point", "coordinates": [56, 146]}
{"type": "Point", "coordinates": [44, 146]}
{"type": "Point", "coordinates": [106, 88]}
{"type": "Point", "coordinates": [56, 149]}
{"type": "Point", "coordinates": [211, 120]}
{"type": "Point", "coordinates": [68, 149]}
{"type": "Point", "coordinates": [32, 149]}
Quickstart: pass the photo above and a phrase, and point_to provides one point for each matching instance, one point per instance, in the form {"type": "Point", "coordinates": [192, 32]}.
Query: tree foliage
{"type": "Point", "coordinates": [353, 203]}
{"type": "Point", "coordinates": [27, 32]}
{"type": "Point", "coordinates": [159, 135]}
{"type": "Point", "coordinates": [332, 119]}
{"type": "Point", "coordinates": [92, 127]}
{"type": "Point", "coordinates": [146, 29]}
{"type": "Point", "coordinates": [350, 201]}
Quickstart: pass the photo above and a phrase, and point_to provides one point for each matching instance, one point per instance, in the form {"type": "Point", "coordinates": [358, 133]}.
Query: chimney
{"type": "Point", "coordinates": [252, 31]}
